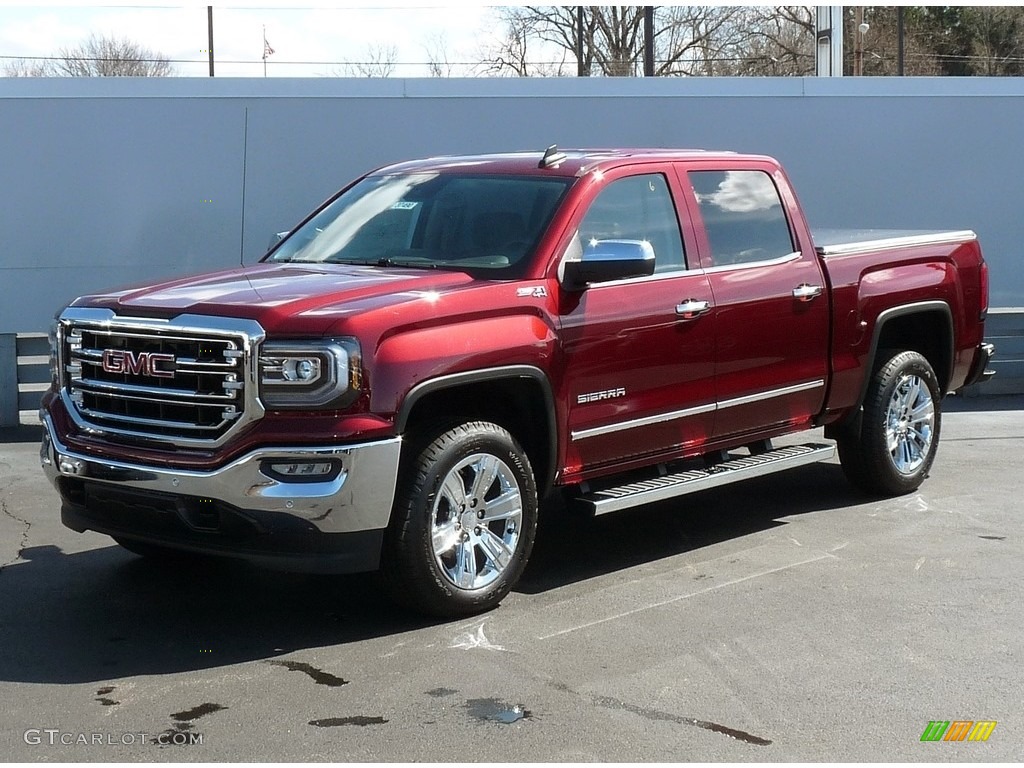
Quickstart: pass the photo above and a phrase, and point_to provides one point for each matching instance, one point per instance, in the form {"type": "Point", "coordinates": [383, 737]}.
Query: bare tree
{"type": "Point", "coordinates": [687, 39]}
{"type": "Point", "coordinates": [99, 56]}
{"type": "Point", "coordinates": [514, 51]}
{"type": "Point", "coordinates": [774, 41]}
{"type": "Point", "coordinates": [924, 41]}
{"type": "Point", "coordinates": [25, 68]}
{"type": "Point", "coordinates": [102, 56]}
{"type": "Point", "coordinates": [997, 39]}
{"type": "Point", "coordinates": [436, 49]}
{"type": "Point", "coordinates": [698, 40]}
{"type": "Point", "coordinates": [380, 61]}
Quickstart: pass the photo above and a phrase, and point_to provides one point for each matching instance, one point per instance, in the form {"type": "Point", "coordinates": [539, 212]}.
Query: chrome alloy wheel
{"type": "Point", "coordinates": [909, 423]}
{"type": "Point", "coordinates": [476, 520]}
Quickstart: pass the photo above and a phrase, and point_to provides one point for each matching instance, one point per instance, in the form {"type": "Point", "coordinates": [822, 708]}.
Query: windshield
{"type": "Point", "coordinates": [430, 220]}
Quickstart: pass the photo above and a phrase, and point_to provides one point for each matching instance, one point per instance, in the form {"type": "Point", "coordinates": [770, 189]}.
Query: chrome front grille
{"type": "Point", "coordinates": [159, 380]}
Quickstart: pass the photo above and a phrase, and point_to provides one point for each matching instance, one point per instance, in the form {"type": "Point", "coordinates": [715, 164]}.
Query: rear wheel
{"type": "Point", "coordinates": [900, 430]}
{"type": "Point", "coordinates": [464, 520]}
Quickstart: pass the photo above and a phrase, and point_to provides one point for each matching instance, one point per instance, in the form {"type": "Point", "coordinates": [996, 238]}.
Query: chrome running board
{"type": "Point", "coordinates": [635, 494]}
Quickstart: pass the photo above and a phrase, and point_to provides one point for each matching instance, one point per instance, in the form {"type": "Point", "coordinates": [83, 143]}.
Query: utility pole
{"type": "Point", "coordinates": [580, 68]}
{"type": "Point", "coordinates": [209, 29]}
{"type": "Point", "coordinates": [900, 40]}
{"type": "Point", "coordinates": [858, 44]}
{"type": "Point", "coordinates": [648, 41]}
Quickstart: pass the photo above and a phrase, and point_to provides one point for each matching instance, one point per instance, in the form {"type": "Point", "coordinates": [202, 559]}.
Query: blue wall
{"type": "Point", "coordinates": [104, 182]}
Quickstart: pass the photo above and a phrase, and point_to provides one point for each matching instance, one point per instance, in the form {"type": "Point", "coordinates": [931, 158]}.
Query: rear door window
{"type": "Point", "coordinates": [742, 215]}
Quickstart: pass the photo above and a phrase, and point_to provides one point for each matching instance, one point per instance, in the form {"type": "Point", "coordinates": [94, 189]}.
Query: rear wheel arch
{"type": "Point", "coordinates": [908, 327]}
{"type": "Point", "coordinates": [912, 327]}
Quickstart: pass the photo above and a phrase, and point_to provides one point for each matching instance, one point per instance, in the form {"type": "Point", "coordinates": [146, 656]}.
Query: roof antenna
{"type": "Point", "coordinates": [551, 157]}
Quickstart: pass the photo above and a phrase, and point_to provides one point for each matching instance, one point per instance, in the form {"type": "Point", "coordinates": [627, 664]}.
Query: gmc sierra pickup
{"type": "Point", "coordinates": [444, 342]}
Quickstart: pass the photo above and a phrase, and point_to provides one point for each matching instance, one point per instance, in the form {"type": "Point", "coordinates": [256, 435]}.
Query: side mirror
{"type": "Point", "coordinates": [604, 260]}
{"type": "Point", "coordinates": [276, 238]}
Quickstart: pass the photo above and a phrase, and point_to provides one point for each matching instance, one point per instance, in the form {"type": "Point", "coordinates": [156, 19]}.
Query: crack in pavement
{"type": "Point", "coordinates": [24, 534]}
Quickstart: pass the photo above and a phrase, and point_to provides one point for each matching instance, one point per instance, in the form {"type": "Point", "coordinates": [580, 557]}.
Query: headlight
{"type": "Point", "coordinates": [317, 374]}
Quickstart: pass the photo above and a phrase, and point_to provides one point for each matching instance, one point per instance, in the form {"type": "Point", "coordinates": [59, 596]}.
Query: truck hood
{"type": "Point", "coordinates": [297, 298]}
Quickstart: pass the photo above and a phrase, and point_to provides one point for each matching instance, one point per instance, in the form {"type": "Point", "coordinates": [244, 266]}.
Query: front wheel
{"type": "Point", "coordinates": [900, 429]}
{"type": "Point", "coordinates": [463, 523]}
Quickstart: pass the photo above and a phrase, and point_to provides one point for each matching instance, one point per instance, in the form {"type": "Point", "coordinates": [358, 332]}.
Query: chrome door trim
{"type": "Point", "coordinates": [789, 257]}
{"type": "Point", "coordinates": [647, 421]}
{"type": "Point", "coordinates": [644, 422]}
{"type": "Point", "coordinates": [758, 396]}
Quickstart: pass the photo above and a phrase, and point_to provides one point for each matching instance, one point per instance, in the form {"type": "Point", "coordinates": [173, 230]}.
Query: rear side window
{"type": "Point", "coordinates": [743, 216]}
{"type": "Point", "coordinates": [638, 208]}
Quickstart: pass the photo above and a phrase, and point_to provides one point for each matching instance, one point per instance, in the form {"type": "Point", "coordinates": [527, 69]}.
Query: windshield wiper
{"type": "Point", "coordinates": [385, 262]}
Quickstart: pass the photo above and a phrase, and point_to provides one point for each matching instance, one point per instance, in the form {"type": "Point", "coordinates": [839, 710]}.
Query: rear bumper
{"type": "Point", "coordinates": [979, 369]}
{"type": "Point", "coordinates": [244, 509]}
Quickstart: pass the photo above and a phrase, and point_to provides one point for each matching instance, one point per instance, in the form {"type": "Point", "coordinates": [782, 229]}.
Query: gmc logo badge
{"type": "Point", "coordinates": [140, 363]}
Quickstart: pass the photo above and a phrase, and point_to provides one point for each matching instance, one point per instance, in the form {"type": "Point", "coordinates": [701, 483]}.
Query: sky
{"type": "Point", "coordinates": [310, 38]}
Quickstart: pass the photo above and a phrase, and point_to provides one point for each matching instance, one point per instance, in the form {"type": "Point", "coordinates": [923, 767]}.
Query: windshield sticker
{"type": "Point", "coordinates": [404, 205]}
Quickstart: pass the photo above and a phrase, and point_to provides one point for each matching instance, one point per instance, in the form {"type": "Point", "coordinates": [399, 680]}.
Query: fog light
{"type": "Point", "coordinates": [70, 466]}
{"type": "Point", "coordinates": [299, 471]}
{"type": "Point", "coordinates": [302, 469]}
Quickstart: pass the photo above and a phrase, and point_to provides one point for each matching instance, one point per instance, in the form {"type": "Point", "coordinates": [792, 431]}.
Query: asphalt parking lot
{"type": "Point", "coordinates": [788, 618]}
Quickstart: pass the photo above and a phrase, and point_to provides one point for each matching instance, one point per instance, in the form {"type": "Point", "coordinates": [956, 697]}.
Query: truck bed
{"type": "Point", "coordinates": [840, 242]}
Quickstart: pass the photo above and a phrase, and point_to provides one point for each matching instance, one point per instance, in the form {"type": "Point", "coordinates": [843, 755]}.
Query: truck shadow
{"type": "Point", "coordinates": [572, 548]}
{"type": "Point", "coordinates": [104, 613]}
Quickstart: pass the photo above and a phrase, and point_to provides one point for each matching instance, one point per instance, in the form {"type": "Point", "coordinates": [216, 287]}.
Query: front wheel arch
{"type": "Point", "coordinates": [517, 397]}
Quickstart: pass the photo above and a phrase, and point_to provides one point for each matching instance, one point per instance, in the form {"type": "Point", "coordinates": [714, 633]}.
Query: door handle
{"type": "Point", "coordinates": [692, 308]}
{"type": "Point", "coordinates": [806, 292]}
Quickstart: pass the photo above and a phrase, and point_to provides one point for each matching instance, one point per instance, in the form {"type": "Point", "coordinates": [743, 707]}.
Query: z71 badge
{"type": "Point", "coordinates": [606, 394]}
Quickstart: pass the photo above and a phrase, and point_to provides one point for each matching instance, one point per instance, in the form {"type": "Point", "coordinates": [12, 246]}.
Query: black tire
{"type": "Point", "coordinates": [443, 553]}
{"type": "Point", "coordinates": [896, 446]}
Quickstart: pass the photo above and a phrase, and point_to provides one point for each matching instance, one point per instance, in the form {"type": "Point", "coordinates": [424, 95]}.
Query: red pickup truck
{"type": "Point", "coordinates": [444, 342]}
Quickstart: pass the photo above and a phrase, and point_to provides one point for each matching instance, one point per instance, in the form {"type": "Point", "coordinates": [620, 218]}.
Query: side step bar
{"type": "Point", "coordinates": [731, 471]}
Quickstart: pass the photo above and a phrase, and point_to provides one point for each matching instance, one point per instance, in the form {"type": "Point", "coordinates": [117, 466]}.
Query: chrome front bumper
{"type": "Point", "coordinates": [358, 498]}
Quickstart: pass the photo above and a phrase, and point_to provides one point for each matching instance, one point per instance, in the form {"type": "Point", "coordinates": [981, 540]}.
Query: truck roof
{"type": "Point", "coordinates": [552, 162]}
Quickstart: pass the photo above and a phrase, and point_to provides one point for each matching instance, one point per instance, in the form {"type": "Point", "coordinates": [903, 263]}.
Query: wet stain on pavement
{"type": "Point", "coordinates": [182, 726]}
{"type": "Point", "coordinates": [360, 720]}
{"type": "Point", "coordinates": [102, 696]}
{"type": "Point", "coordinates": [438, 693]}
{"type": "Point", "coordinates": [668, 717]}
{"type": "Point", "coordinates": [196, 712]}
{"type": "Point", "coordinates": [496, 711]}
{"type": "Point", "coordinates": [318, 675]}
